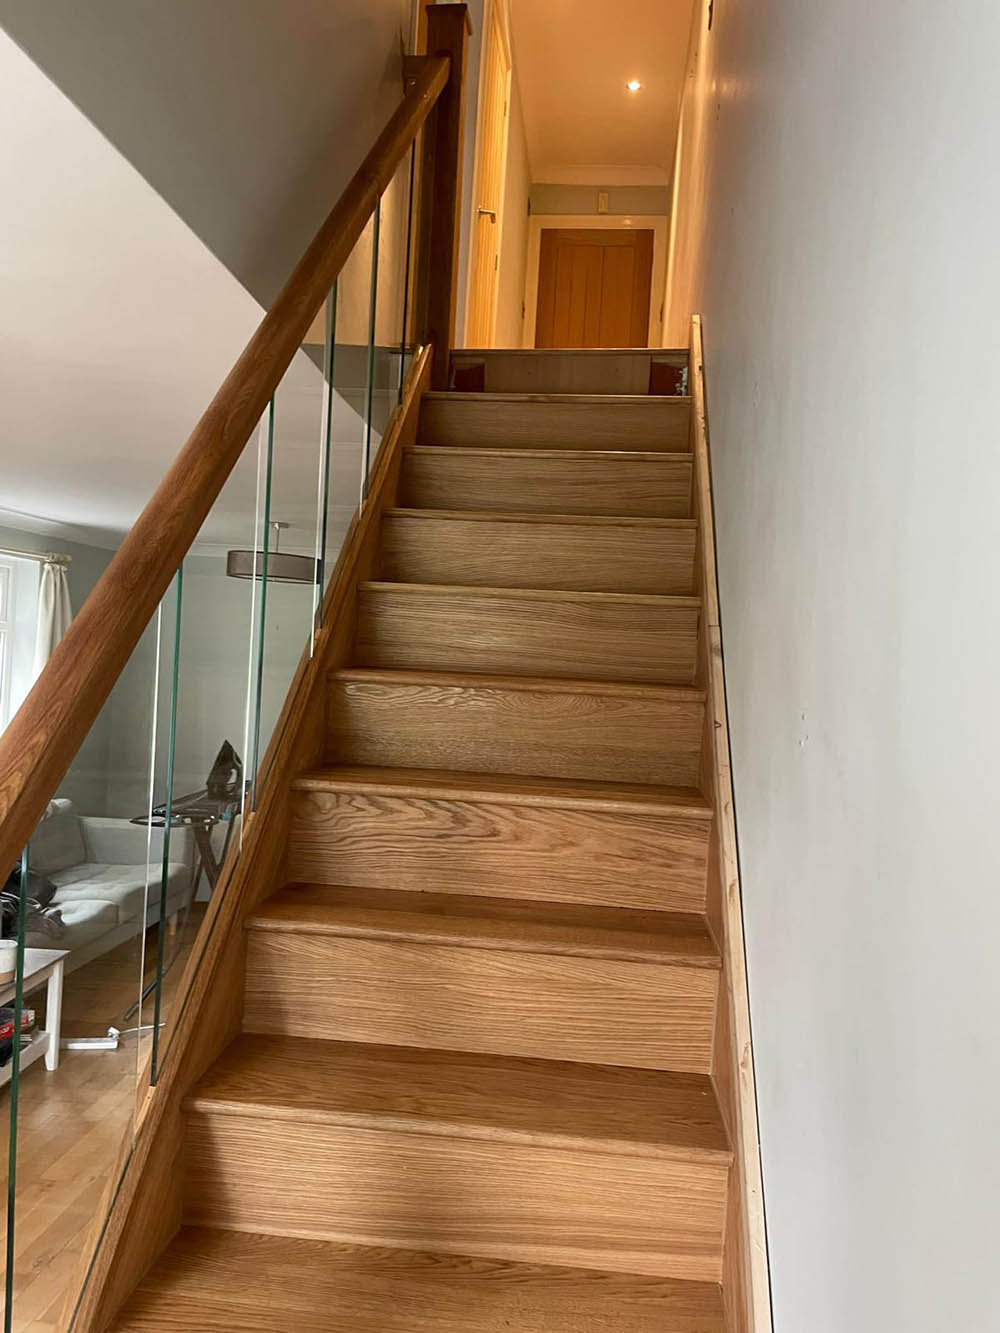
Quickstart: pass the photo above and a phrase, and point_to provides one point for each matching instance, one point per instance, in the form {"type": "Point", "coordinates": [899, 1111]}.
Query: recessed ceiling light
{"type": "Point", "coordinates": [633, 85]}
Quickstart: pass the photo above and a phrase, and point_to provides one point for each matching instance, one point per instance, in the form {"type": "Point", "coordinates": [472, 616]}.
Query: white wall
{"type": "Point", "coordinates": [837, 224]}
{"type": "Point", "coordinates": [86, 782]}
{"type": "Point", "coordinates": [514, 241]}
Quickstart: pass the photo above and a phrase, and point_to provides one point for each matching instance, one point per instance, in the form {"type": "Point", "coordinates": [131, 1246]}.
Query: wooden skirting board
{"type": "Point", "coordinates": [745, 1281]}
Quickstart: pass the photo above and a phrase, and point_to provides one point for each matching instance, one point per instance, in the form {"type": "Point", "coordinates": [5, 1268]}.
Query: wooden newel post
{"type": "Point", "coordinates": [448, 31]}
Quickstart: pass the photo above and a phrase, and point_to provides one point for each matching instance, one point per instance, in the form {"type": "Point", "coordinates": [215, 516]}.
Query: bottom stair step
{"type": "Point", "coordinates": [211, 1281]}
{"type": "Point", "coordinates": [526, 1161]}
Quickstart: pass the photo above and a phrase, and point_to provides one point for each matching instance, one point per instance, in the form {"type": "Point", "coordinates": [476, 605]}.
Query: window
{"type": "Point", "coordinates": [19, 581]}
{"type": "Point", "coordinates": [6, 636]}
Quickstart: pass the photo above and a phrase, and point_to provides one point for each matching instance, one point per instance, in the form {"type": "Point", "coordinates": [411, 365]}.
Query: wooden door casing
{"type": "Point", "coordinates": [594, 287]}
{"type": "Point", "coordinates": [491, 164]}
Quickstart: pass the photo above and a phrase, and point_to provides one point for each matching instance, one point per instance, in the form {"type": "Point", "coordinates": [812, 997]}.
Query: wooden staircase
{"type": "Point", "coordinates": [485, 1019]}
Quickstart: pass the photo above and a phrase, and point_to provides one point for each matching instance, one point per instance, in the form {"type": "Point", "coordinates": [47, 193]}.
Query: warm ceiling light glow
{"type": "Point", "coordinates": [633, 85]}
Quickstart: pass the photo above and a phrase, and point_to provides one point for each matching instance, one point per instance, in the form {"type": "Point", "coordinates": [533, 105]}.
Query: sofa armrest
{"type": "Point", "coordinates": [120, 842]}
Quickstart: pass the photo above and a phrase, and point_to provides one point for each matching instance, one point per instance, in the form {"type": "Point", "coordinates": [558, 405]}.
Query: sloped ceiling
{"type": "Point", "coordinates": [574, 58]}
{"type": "Point", "coordinates": [247, 116]}
{"type": "Point", "coordinates": [139, 244]}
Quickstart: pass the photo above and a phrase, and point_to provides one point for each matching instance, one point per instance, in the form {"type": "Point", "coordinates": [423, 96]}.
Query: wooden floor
{"type": "Point", "coordinates": [70, 1128]}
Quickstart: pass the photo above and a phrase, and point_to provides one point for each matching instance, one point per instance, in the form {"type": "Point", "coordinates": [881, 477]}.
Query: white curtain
{"type": "Point", "coordinates": [54, 612]}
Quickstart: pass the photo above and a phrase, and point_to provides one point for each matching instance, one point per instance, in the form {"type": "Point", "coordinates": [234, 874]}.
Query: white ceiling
{"type": "Point", "coordinates": [573, 60]}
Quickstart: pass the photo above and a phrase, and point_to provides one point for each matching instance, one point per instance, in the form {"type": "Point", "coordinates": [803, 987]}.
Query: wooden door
{"type": "Point", "coordinates": [491, 163]}
{"type": "Point", "coordinates": [593, 288]}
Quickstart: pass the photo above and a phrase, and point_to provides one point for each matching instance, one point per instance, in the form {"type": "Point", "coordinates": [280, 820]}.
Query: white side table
{"type": "Point", "coordinates": [40, 966]}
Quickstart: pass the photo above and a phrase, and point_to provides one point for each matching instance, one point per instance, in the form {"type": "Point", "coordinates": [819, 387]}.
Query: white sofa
{"type": "Point", "coordinates": [99, 866]}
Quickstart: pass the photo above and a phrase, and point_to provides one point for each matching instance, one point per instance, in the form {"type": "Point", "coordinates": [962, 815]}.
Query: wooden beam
{"type": "Point", "coordinates": [448, 29]}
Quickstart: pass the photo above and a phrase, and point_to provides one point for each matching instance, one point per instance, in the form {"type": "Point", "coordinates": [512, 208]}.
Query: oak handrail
{"type": "Point", "coordinates": [48, 729]}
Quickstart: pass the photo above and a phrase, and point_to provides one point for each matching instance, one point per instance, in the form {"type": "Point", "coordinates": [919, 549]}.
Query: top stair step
{"type": "Point", "coordinates": [556, 421]}
{"type": "Point", "coordinates": [604, 370]}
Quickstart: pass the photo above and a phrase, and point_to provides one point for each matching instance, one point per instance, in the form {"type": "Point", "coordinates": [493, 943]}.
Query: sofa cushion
{"type": "Point", "coordinates": [124, 887]}
{"type": "Point", "coordinates": [84, 921]}
{"type": "Point", "coordinates": [57, 842]}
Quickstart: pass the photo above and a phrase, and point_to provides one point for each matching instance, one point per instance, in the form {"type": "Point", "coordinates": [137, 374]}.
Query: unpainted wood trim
{"type": "Point", "coordinates": [40, 742]}
{"type": "Point", "coordinates": [448, 29]}
{"type": "Point", "coordinates": [746, 1282]}
{"type": "Point", "coordinates": [144, 1204]}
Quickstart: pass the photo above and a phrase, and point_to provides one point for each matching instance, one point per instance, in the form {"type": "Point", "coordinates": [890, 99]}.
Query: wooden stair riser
{"type": "Point", "coordinates": [543, 732]}
{"type": "Point", "coordinates": [597, 636]}
{"type": "Point", "coordinates": [508, 1201]}
{"type": "Point", "coordinates": [546, 1006]}
{"type": "Point", "coordinates": [532, 482]}
{"type": "Point", "coordinates": [586, 554]}
{"type": "Point", "coordinates": [590, 371]}
{"type": "Point", "coordinates": [499, 850]}
{"type": "Point", "coordinates": [486, 421]}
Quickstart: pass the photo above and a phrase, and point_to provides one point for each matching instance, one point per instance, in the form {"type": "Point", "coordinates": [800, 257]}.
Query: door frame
{"type": "Point", "coordinates": [657, 223]}
{"type": "Point", "coordinates": [498, 10]}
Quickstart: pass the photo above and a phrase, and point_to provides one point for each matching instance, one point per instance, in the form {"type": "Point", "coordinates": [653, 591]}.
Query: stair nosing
{"type": "Point", "coordinates": [548, 793]}
{"type": "Point", "coordinates": [681, 600]}
{"type": "Point", "coordinates": [536, 396]}
{"type": "Point", "coordinates": [400, 1123]}
{"type": "Point", "coordinates": [585, 352]}
{"type": "Point", "coordinates": [532, 517]}
{"type": "Point", "coordinates": [529, 451]}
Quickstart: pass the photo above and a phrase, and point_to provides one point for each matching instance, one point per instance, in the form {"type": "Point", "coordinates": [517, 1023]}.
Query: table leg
{"type": "Point", "coordinates": [203, 841]}
{"type": "Point", "coordinates": [53, 1015]}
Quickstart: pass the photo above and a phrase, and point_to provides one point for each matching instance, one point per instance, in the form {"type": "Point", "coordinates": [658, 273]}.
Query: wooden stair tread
{"type": "Point", "coordinates": [570, 520]}
{"type": "Point", "coordinates": [528, 684]}
{"type": "Point", "coordinates": [602, 399]}
{"type": "Point", "coordinates": [518, 925]}
{"type": "Point", "coordinates": [635, 1112]}
{"type": "Point", "coordinates": [555, 793]}
{"type": "Point", "coordinates": [217, 1281]}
